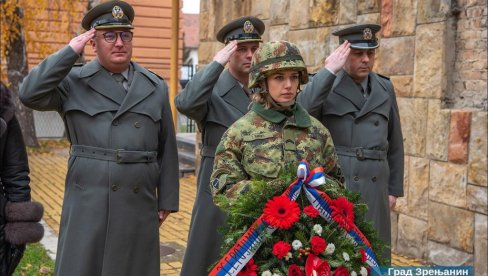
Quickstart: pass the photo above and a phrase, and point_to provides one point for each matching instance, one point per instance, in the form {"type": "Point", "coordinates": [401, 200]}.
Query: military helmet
{"type": "Point", "coordinates": [276, 56]}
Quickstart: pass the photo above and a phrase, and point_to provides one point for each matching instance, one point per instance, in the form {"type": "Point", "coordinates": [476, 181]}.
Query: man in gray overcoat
{"type": "Point", "coordinates": [122, 179]}
{"type": "Point", "coordinates": [215, 98]}
{"type": "Point", "coordinates": [362, 116]}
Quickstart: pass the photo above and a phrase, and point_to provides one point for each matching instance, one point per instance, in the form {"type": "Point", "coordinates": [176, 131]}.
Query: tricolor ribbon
{"type": "Point", "coordinates": [243, 250]}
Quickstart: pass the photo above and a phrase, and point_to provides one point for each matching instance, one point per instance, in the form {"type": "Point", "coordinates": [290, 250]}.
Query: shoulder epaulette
{"type": "Point", "coordinates": [79, 64]}
{"type": "Point", "coordinates": [310, 75]}
{"type": "Point", "coordinates": [385, 77]}
{"type": "Point", "coordinates": [161, 78]}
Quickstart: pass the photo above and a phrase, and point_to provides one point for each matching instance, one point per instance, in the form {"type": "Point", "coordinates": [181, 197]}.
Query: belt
{"type": "Point", "coordinates": [208, 151]}
{"type": "Point", "coordinates": [361, 153]}
{"type": "Point", "coordinates": [119, 156]}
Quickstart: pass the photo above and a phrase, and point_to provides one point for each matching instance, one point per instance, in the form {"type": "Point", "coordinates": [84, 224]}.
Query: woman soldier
{"type": "Point", "coordinates": [277, 131]}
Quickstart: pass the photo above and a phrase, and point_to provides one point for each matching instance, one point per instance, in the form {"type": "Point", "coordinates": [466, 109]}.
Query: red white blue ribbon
{"type": "Point", "coordinates": [243, 250]}
{"type": "Point", "coordinates": [321, 202]}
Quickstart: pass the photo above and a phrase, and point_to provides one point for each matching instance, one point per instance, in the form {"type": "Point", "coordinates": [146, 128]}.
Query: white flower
{"type": "Point", "coordinates": [267, 273]}
{"type": "Point", "coordinates": [288, 256]}
{"type": "Point", "coordinates": [363, 271]}
{"type": "Point", "coordinates": [276, 274]}
{"type": "Point", "coordinates": [317, 229]}
{"type": "Point", "coordinates": [330, 249]}
{"type": "Point", "coordinates": [353, 273]}
{"type": "Point", "coordinates": [296, 244]}
{"type": "Point", "coordinates": [346, 256]}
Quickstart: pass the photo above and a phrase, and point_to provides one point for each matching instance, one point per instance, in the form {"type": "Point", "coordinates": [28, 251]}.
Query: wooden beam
{"type": "Point", "coordinates": [173, 87]}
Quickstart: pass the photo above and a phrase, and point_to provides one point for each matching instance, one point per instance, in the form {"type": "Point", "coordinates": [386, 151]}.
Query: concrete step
{"type": "Point", "coordinates": [186, 157]}
{"type": "Point", "coordinates": [186, 152]}
{"type": "Point", "coordinates": [185, 142]}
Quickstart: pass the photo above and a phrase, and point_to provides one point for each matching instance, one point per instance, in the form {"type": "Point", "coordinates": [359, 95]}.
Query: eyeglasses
{"type": "Point", "coordinates": [111, 37]}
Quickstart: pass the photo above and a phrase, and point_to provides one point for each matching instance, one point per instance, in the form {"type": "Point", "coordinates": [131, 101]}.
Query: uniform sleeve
{"type": "Point", "coordinates": [395, 149]}
{"type": "Point", "coordinates": [331, 165]}
{"type": "Point", "coordinates": [14, 171]}
{"type": "Point", "coordinates": [169, 185]}
{"type": "Point", "coordinates": [192, 100]}
{"type": "Point", "coordinates": [42, 89]}
{"type": "Point", "coordinates": [228, 173]}
{"type": "Point", "coordinates": [316, 91]}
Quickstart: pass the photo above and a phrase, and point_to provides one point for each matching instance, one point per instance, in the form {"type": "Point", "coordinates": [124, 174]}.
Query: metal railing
{"type": "Point", "coordinates": [48, 124]}
{"type": "Point", "coordinates": [186, 124]}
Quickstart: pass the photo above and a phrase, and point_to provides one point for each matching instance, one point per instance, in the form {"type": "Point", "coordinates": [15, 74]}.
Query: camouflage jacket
{"type": "Point", "coordinates": [264, 141]}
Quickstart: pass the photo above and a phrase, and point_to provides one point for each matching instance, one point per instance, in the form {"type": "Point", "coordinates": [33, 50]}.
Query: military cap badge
{"type": "Point", "coordinates": [248, 27]}
{"type": "Point", "coordinates": [117, 12]}
{"type": "Point", "coordinates": [367, 34]}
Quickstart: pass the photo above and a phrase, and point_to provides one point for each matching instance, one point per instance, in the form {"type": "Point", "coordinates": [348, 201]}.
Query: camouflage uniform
{"type": "Point", "coordinates": [264, 141]}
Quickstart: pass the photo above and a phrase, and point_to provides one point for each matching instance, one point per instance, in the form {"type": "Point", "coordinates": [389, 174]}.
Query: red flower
{"type": "Point", "coordinates": [249, 270]}
{"type": "Point", "coordinates": [341, 271]}
{"type": "Point", "coordinates": [363, 255]}
{"type": "Point", "coordinates": [281, 212]}
{"type": "Point", "coordinates": [294, 270]}
{"type": "Point", "coordinates": [311, 211]}
{"type": "Point", "coordinates": [281, 248]}
{"type": "Point", "coordinates": [315, 264]}
{"type": "Point", "coordinates": [318, 245]}
{"type": "Point", "coordinates": [343, 212]}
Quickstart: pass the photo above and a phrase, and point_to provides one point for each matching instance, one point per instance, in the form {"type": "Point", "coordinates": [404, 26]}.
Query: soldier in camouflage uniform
{"type": "Point", "coordinates": [277, 131]}
{"type": "Point", "coordinates": [215, 98]}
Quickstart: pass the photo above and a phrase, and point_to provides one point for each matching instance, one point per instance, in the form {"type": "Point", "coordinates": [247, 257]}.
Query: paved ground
{"type": "Point", "coordinates": [48, 171]}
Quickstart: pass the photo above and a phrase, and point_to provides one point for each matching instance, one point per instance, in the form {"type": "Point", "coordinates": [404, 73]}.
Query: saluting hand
{"type": "Point", "coordinates": [336, 60]}
{"type": "Point", "coordinates": [78, 43]}
{"type": "Point", "coordinates": [223, 55]}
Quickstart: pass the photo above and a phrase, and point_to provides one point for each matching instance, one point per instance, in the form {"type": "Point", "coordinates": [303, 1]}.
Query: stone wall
{"type": "Point", "coordinates": [435, 53]}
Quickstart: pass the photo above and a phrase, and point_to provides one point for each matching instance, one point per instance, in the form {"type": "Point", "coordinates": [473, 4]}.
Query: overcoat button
{"type": "Point", "coordinates": [137, 124]}
{"type": "Point", "coordinates": [373, 179]}
{"type": "Point", "coordinates": [114, 187]}
{"type": "Point", "coordinates": [376, 123]}
{"type": "Point", "coordinates": [115, 123]}
{"type": "Point", "coordinates": [356, 178]}
{"type": "Point", "coordinates": [136, 190]}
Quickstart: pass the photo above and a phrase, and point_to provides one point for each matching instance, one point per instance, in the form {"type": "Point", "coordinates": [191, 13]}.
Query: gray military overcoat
{"type": "Point", "coordinates": [109, 221]}
{"type": "Point", "coordinates": [215, 100]}
{"type": "Point", "coordinates": [369, 143]}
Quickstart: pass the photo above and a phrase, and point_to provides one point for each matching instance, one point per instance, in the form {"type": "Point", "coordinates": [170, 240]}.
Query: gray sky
{"type": "Point", "coordinates": [191, 6]}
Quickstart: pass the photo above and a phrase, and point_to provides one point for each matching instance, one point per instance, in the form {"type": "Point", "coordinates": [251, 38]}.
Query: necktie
{"type": "Point", "coordinates": [119, 78]}
{"type": "Point", "coordinates": [364, 93]}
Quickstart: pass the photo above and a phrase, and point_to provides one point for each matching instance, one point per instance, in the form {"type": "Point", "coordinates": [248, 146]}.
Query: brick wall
{"type": "Point", "coordinates": [469, 80]}
{"type": "Point", "coordinates": [435, 53]}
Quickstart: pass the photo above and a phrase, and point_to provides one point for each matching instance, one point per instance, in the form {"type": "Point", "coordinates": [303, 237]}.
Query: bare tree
{"type": "Point", "coordinates": [23, 30]}
{"type": "Point", "coordinates": [17, 69]}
